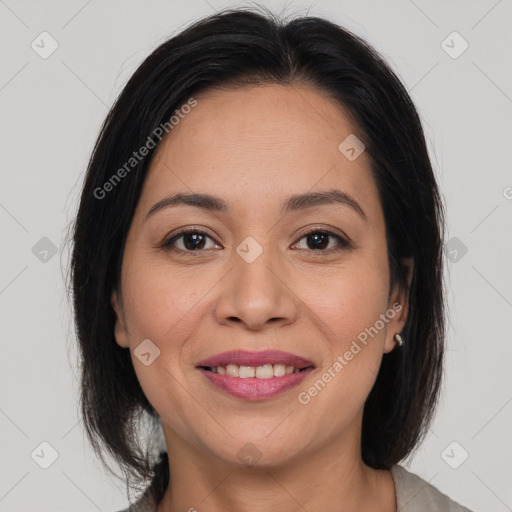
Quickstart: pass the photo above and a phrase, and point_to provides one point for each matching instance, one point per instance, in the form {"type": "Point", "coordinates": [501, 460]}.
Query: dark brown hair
{"type": "Point", "coordinates": [234, 48]}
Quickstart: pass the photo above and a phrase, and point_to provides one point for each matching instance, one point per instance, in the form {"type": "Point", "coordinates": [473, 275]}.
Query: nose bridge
{"type": "Point", "coordinates": [254, 292]}
{"type": "Point", "coordinates": [252, 264]}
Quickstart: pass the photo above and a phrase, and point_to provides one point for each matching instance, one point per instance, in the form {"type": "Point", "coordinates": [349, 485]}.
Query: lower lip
{"type": "Point", "coordinates": [253, 388]}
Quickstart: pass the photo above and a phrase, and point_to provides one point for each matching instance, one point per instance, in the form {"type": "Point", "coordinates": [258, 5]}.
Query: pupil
{"type": "Point", "coordinates": [195, 237]}
{"type": "Point", "coordinates": [320, 245]}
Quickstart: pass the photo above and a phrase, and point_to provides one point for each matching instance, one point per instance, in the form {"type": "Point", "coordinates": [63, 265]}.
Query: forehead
{"type": "Point", "coordinates": [260, 142]}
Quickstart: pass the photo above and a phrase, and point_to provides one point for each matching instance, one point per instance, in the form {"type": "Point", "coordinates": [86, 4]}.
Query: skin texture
{"type": "Point", "coordinates": [254, 147]}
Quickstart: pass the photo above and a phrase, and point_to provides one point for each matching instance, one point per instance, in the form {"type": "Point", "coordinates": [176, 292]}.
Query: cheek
{"type": "Point", "coordinates": [353, 354]}
{"type": "Point", "coordinates": [346, 302]}
{"type": "Point", "coordinates": [348, 308]}
{"type": "Point", "coordinates": [163, 307]}
{"type": "Point", "coordinates": [161, 303]}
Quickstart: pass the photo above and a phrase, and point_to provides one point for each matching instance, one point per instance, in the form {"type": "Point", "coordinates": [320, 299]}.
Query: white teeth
{"type": "Point", "coordinates": [232, 370]}
{"type": "Point", "coordinates": [246, 372]}
{"type": "Point", "coordinates": [279, 370]}
{"type": "Point", "coordinates": [265, 371]}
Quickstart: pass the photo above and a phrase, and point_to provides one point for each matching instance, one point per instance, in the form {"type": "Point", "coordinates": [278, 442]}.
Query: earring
{"type": "Point", "coordinates": [399, 340]}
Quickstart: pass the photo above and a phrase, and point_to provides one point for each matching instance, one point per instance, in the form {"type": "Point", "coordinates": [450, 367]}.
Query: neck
{"type": "Point", "coordinates": [332, 479]}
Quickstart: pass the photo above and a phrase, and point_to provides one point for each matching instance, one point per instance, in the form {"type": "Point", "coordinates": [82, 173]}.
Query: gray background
{"type": "Point", "coordinates": [51, 112]}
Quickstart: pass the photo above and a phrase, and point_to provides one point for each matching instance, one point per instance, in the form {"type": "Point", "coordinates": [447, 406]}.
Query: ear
{"type": "Point", "coordinates": [399, 302]}
{"type": "Point", "coordinates": [120, 331]}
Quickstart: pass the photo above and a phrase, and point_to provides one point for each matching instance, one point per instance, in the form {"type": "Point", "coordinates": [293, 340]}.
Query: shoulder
{"type": "Point", "coordinates": [413, 494]}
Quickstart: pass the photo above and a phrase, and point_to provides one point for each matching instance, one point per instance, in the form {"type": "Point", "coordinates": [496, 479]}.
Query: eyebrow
{"type": "Point", "coordinates": [293, 203]}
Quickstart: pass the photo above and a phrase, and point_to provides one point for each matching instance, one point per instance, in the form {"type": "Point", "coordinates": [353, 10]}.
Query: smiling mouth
{"type": "Point", "coordinates": [265, 371]}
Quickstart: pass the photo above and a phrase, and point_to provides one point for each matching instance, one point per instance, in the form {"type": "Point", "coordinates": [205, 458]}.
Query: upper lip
{"type": "Point", "coordinates": [247, 358]}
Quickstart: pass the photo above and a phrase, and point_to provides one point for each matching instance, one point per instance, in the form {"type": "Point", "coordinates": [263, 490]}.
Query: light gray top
{"type": "Point", "coordinates": [413, 494]}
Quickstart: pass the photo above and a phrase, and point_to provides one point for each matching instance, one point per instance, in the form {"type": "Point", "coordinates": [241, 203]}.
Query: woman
{"type": "Point", "coordinates": [257, 270]}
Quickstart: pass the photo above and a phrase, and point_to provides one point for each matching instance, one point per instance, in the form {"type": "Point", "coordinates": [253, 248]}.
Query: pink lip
{"type": "Point", "coordinates": [253, 388]}
{"type": "Point", "coordinates": [246, 358]}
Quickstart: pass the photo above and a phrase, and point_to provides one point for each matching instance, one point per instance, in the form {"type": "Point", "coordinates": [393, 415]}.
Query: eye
{"type": "Point", "coordinates": [189, 240]}
{"type": "Point", "coordinates": [318, 241]}
{"type": "Point", "coordinates": [194, 240]}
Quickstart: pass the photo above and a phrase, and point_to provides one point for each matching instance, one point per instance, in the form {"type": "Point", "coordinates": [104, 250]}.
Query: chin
{"type": "Point", "coordinates": [257, 453]}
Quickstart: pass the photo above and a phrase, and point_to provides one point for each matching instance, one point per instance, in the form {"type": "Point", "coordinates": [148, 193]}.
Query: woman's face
{"type": "Point", "coordinates": [250, 278]}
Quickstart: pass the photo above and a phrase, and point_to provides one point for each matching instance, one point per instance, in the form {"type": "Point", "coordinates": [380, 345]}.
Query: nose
{"type": "Point", "coordinates": [257, 294]}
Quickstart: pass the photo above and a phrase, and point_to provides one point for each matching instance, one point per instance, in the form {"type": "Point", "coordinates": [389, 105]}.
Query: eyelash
{"type": "Point", "coordinates": [343, 244]}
